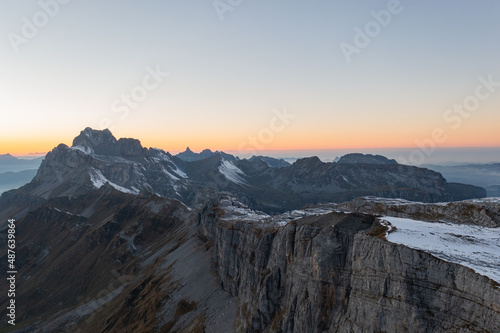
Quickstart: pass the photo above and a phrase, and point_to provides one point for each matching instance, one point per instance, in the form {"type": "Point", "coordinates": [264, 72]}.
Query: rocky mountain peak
{"type": "Point", "coordinates": [366, 159]}
{"type": "Point", "coordinates": [104, 143]}
{"type": "Point", "coordinates": [269, 161]}
{"type": "Point", "coordinates": [99, 142]}
{"type": "Point", "coordinates": [307, 162]}
{"type": "Point", "coordinates": [129, 147]}
{"type": "Point", "coordinates": [7, 157]}
{"type": "Point", "coordinates": [190, 156]}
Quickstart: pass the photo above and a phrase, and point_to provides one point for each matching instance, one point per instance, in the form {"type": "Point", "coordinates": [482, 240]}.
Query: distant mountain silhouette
{"type": "Point", "coordinates": [9, 163]}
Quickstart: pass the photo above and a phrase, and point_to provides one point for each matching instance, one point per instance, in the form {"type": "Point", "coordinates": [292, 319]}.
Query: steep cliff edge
{"type": "Point", "coordinates": [336, 273]}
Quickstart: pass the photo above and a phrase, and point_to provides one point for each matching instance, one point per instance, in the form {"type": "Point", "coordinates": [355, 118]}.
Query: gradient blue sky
{"type": "Point", "coordinates": [227, 77]}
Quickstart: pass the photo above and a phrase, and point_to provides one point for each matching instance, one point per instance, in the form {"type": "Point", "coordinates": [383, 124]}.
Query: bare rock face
{"type": "Point", "coordinates": [99, 142]}
{"type": "Point", "coordinates": [104, 143]}
{"type": "Point", "coordinates": [129, 147]}
{"type": "Point", "coordinates": [397, 289]}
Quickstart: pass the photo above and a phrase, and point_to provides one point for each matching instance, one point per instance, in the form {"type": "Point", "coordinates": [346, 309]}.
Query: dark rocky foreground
{"type": "Point", "coordinates": [114, 262]}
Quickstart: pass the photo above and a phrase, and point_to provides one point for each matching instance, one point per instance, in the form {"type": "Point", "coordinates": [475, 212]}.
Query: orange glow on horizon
{"type": "Point", "coordinates": [281, 142]}
{"type": "Point", "coordinates": [37, 148]}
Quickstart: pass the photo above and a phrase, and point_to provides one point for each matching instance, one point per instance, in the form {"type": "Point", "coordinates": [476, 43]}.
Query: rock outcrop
{"type": "Point", "coordinates": [483, 212]}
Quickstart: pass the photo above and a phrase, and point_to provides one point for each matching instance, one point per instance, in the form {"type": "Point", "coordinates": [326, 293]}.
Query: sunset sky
{"type": "Point", "coordinates": [235, 70]}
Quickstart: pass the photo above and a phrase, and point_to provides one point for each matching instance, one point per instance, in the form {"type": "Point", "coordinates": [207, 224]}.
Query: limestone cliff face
{"type": "Point", "coordinates": [336, 273]}
{"type": "Point", "coordinates": [398, 289]}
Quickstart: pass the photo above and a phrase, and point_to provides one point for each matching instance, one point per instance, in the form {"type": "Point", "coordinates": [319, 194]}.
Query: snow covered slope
{"type": "Point", "coordinates": [232, 172]}
{"type": "Point", "coordinates": [472, 246]}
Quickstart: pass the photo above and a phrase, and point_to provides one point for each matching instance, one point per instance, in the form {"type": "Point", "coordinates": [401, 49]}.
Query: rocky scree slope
{"type": "Point", "coordinates": [109, 261]}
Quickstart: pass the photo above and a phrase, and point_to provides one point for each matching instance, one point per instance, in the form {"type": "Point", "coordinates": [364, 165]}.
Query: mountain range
{"type": "Point", "coordinates": [9, 163]}
{"type": "Point", "coordinates": [15, 172]}
{"type": "Point", "coordinates": [263, 183]}
{"type": "Point", "coordinates": [115, 237]}
{"type": "Point", "coordinates": [484, 175]}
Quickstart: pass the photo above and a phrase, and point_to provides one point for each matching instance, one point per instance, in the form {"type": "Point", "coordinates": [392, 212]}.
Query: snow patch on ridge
{"type": "Point", "coordinates": [98, 180]}
{"type": "Point", "coordinates": [488, 200]}
{"type": "Point", "coordinates": [84, 149]}
{"type": "Point", "coordinates": [401, 202]}
{"type": "Point", "coordinates": [235, 210]}
{"type": "Point", "coordinates": [169, 174]}
{"type": "Point", "coordinates": [471, 246]}
{"type": "Point", "coordinates": [179, 172]}
{"type": "Point", "coordinates": [232, 173]}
